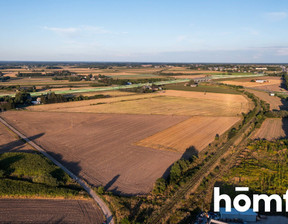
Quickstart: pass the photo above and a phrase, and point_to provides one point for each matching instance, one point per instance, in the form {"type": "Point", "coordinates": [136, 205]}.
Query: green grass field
{"type": "Point", "coordinates": [202, 88]}
{"type": "Point", "coordinates": [32, 175]}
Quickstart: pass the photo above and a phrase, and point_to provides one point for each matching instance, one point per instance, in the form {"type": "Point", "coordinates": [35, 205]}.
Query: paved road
{"type": "Point", "coordinates": [99, 201]}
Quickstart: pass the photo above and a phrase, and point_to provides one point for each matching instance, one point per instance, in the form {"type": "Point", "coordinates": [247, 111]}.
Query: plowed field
{"type": "Point", "coordinates": [273, 128]}
{"type": "Point", "coordinates": [49, 211]}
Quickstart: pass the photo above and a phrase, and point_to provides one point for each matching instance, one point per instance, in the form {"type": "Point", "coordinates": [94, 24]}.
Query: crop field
{"type": "Point", "coordinates": [49, 211]}
{"type": "Point", "coordinates": [9, 142]}
{"type": "Point", "coordinates": [100, 147]}
{"type": "Point", "coordinates": [273, 84]}
{"type": "Point", "coordinates": [275, 102]}
{"type": "Point", "coordinates": [165, 103]}
{"type": "Point", "coordinates": [195, 132]}
{"type": "Point", "coordinates": [273, 128]}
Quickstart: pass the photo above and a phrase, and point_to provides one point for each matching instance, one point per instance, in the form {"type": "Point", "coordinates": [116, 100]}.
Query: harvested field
{"type": "Point", "coordinates": [271, 88]}
{"type": "Point", "coordinates": [273, 128]}
{"type": "Point", "coordinates": [9, 142]}
{"type": "Point", "coordinates": [273, 84]}
{"type": "Point", "coordinates": [196, 131]}
{"type": "Point", "coordinates": [49, 211]}
{"type": "Point", "coordinates": [100, 147]}
{"type": "Point", "coordinates": [275, 102]}
{"type": "Point", "coordinates": [229, 98]}
{"type": "Point", "coordinates": [168, 103]}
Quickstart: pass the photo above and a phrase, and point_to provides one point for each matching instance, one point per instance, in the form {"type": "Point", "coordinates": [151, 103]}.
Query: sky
{"type": "Point", "coordinates": [190, 31]}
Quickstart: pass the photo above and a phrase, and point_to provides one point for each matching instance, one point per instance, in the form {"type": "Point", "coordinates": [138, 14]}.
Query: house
{"type": "Point", "coordinates": [272, 94]}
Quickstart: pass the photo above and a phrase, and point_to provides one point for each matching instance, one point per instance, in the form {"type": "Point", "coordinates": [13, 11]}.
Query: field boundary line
{"type": "Point", "coordinates": [106, 211]}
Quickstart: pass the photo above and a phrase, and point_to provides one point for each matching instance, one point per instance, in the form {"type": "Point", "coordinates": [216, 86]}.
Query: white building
{"type": "Point", "coordinates": [261, 80]}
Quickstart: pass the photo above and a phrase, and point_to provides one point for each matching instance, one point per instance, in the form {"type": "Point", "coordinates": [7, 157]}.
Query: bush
{"type": "Point", "coordinates": [160, 186]}
{"type": "Point", "coordinates": [100, 190]}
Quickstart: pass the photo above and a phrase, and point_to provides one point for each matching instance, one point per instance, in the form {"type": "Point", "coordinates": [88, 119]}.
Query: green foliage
{"type": "Point", "coordinates": [204, 88]}
{"type": "Point", "coordinates": [58, 98]}
{"type": "Point", "coordinates": [125, 221]}
{"type": "Point", "coordinates": [11, 187]}
{"type": "Point", "coordinates": [110, 81]}
{"type": "Point", "coordinates": [232, 133]}
{"type": "Point", "coordinates": [4, 78]}
{"type": "Point", "coordinates": [265, 168]}
{"type": "Point", "coordinates": [177, 169]}
{"type": "Point", "coordinates": [277, 114]}
{"type": "Point", "coordinates": [160, 186]}
{"type": "Point", "coordinates": [100, 190]}
{"type": "Point", "coordinates": [285, 78]}
{"type": "Point", "coordinates": [31, 173]}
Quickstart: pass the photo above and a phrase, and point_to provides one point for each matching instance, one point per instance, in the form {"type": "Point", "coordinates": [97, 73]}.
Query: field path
{"type": "Point", "coordinates": [98, 200]}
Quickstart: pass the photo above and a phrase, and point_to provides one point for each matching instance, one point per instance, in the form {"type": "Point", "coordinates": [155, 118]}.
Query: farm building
{"type": "Point", "coordinates": [248, 216]}
{"type": "Point", "coordinates": [272, 94]}
{"type": "Point", "coordinates": [261, 80]}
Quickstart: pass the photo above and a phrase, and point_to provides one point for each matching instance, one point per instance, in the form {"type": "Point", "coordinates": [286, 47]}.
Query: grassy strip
{"type": "Point", "coordinates": [31, 174]}
{"type": "Point", "coordinates": [203, 88]}
{"type": "Point", "coordinates": [20, 188]}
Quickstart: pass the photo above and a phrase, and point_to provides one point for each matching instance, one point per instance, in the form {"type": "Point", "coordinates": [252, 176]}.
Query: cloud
{"type": "Point", "coordinates": [282, 51]}
{"type": "Point", "coordinates": [276, 16]}
{"type": "Point", "coordinates": [181, 38]}
{"type": "Point", "coordinates": [81, 30]}
{"type": "Point", "coordinates": [251, 31]}
{"type": "Point", "coordinates": [58, 30]}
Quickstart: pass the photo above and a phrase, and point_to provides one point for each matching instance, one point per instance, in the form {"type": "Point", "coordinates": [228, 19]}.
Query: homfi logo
{"type": "Point", "coordinates": [247, 205]}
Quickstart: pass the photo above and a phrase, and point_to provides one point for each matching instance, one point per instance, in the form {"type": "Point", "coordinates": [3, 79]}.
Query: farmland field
{"type": "Point", "coordinates": [99, 147]}
{"type": "Point", "coordinates": [273, 128]}
{"type": "Point", "coordinates": [9, 142]}
{"type": "Point", "coordinates": [275, 102]}
{"type": "Point", "coordinates": [273, 84]}
{"type": "Point", "coordinates": [168, 103]}
{"type": "Point", "coordinates": [202, 88]}
{"type": "Point", "coordinates": [49, 211]}
{"type": "Point", "coordinates": [196, 131]}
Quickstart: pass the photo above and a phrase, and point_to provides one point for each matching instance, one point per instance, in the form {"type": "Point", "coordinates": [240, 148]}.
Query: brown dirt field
{"type": "Point", "coordinates": [9, 142]}
{"type": "Point", "coordinates": [100, 147]}
{"type": "Point", "coordinates": [196, 131]}
{"type": "Point", "coordinates": [172, 102]}
{"type": "Point", "coordinates": [274, 101]}
{"type": "Point", "coordinates": [273, 128]}
{"type": "Point", "coordinates": [271, 88]}
{"type": "Point", "coordinates": [49, 211]}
